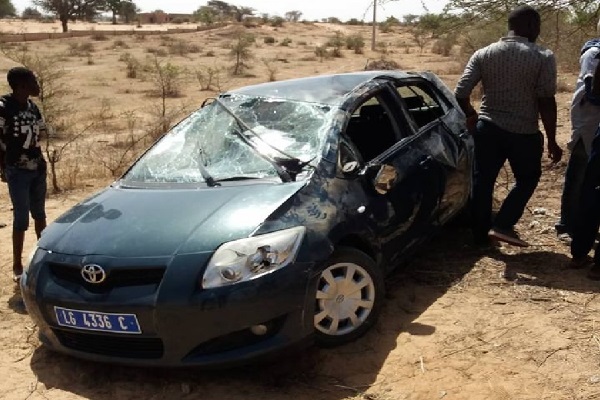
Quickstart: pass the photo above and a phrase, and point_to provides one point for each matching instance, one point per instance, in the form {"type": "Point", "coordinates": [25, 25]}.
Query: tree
{"type": "Point", "coordinates": [67, 10]}
{"type": "Point", "coordinates": [128, 11]}
{"type": "Point", "coordinates": [116, 7]}
{"type": "Point", "coordinates": [240, 12]}
{"type": "Point", "coordinates": [293, 16]}
{"type": "Point", "coordinates": [31, 13]}
{"type": "Point", "coordinates": [167, 79]}
{"type": "Point", "coordinates": [7, 8]}
{"type": "Point", "coordinates": [207, 15]}
{"type": "Point", "coordinates": [240, 52]}
{"type": "Point", "coordinates": [409, 19]}
{"type": "Point", "coordinates": [223, 10]}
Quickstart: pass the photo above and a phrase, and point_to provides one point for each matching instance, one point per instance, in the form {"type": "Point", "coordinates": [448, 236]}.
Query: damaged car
{"type": "Point", "coordinates": [267, 219]}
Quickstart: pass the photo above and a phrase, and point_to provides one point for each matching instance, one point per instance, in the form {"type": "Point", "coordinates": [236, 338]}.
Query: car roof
{"type": "Point", "coordinates": [324, 89]}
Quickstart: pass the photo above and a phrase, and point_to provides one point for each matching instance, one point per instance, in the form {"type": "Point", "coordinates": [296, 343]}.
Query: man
{"type": "Point", "coordinates": [519, 85]}
{"type": "Point", "coordinates": [22, 164]}
{"type": "Point", "coordinates": [585, 230]}
{"type": "Point", "coordinates": [585, 117]}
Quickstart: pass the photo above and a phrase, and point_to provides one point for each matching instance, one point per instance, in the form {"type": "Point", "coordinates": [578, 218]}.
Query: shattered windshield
{"type": "Point", "coordinates": [210, 142]}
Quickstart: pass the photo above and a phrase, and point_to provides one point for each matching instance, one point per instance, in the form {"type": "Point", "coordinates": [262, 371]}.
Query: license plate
{"type": "Point", "coordinates": [97, 321]}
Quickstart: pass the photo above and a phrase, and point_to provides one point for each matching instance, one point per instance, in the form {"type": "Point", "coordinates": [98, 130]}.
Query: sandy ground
{"type": "Point", "coordinates": [452, 327]}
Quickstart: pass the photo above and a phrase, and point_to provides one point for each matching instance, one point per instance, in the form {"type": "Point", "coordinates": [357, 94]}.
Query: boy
{"type": "Point", "coordinates": [22, 164]}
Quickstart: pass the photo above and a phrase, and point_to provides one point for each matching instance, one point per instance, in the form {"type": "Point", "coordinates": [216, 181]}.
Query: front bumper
{"type": "Point", "coordinates": [181, 323]}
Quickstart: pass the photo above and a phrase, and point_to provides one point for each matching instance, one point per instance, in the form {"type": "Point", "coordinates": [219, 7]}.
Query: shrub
{"type": "Point", "coordinates": [157, 52]}
{"type": "Point", "coordinates": [99, 36]}
{"type": "Point", "coordinates": [444, 45]}
{"type": "Point", "coordinates": [182, 48]}
{"type": "Point", "coordinates": [355, 42]}
{"type": "Point", "coordinates": [120, 43]}
{"type": "Point", "coordinates": [240, 52]}
{"type": "Point", "coordinates": [81, 49]}
{"type": "Point", "coordinates": [270, 40]}
{"type": "Point", "coordinates": [381, 47]}
{"type": "Point", "coordinates": [271, 69]}
{"type": "Point", "coordinates": [286, 42]}
{"type": "Point", "coordinates": [321, 52]}
{"type": "Point", "coordinates": [132, 65]}
{"type": "Point", "coordinates": [337, 52]}
{"type": "Point", "coordinates": [382, 64]}
{"type": "Point", "coordinates": [209, 78]}
{"type": "Point", "coordinates": [277, 22]}
{"type": "Point", "coordinates": [338, 40]}
{"type": "Point", "coordinates": [166, 78]}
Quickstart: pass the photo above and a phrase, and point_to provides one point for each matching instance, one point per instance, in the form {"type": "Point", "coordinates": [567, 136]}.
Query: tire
{"type": "Point", "coordinates": [348, 297]}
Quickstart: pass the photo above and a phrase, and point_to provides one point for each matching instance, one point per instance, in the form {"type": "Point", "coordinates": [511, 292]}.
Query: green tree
{"type": "Point", "coordinates": [128, 11]}
{"type": "Point", "coordinates": [7, 9]}
{"type": "Point", "coordinates": [207, 15]}
{"type": "Point", "coordinates": [224, 10]}
{"type": "Point", "coordinates": [240, 52]}
{"type": "Point", "coordinates": [293, 16]}
{"type": "Point", "coordinates": [68, 10]}
{"type": "Point", "coordinates": [116, 7]}
{"type": "Point", "coordinates": [240, 12]}
{"type": "Point", "coordinates": [409, 19]}
{"type": "Point", "coordinates": [31, 13]}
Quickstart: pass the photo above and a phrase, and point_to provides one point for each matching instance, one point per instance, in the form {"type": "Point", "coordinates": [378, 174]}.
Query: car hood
{"type": "Point", "coordinates": [121, 222]}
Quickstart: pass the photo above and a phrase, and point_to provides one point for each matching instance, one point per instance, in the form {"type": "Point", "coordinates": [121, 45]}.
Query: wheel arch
{"type": "Point", "coordinates": [359, 243]}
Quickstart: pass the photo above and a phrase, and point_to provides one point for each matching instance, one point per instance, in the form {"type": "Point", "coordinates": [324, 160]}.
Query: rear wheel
{"type": "Point", "coordinates": [348, 298]}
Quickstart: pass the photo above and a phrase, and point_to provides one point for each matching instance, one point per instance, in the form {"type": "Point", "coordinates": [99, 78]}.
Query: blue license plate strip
{"type": "Point", "coordinates": [97, 321]}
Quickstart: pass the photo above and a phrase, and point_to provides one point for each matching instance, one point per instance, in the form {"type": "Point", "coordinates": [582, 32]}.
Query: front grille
{"type": "Point", "coordinates": [112, 346]}
{"type": "Point", "coordinates": [116, 277]}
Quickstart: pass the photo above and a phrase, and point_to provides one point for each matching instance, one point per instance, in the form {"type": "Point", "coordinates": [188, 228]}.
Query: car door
{"type": "Point", "coordinates": [402, 179]}
{"type": "Point", "coordinates": [442, 136]}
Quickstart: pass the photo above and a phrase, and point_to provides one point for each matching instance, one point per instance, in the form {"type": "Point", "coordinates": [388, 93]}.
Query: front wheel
{"type": "Point", "coordinates": [349, 297]}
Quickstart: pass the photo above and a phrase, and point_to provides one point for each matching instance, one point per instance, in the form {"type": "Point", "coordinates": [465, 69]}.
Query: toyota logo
{"type": "Point", "coordinates": [93, 273]}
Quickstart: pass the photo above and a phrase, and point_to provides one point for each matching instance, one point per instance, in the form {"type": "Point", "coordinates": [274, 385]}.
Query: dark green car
{"type": "Point", "coordinates": [267, 218]}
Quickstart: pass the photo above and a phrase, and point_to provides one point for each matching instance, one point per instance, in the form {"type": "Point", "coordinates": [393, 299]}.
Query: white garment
{"type": "Point", "coordinates": [585, 117]}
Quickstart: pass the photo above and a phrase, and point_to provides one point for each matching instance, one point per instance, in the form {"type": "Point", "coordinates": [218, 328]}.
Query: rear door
{"type": "Point", "coordinates": [442, 136]}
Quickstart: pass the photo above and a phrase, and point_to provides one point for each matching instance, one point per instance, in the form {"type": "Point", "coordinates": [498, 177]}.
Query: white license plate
{"type": "Point", "coordinates": [97, 321]}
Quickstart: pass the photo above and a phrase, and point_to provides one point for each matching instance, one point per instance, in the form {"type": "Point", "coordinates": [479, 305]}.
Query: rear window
{"type": "Point", "coordinates": [424, 104]}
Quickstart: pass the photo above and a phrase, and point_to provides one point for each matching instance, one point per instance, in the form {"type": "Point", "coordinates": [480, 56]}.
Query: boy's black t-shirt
{"type": "Point", "coordinates": [20, 133]}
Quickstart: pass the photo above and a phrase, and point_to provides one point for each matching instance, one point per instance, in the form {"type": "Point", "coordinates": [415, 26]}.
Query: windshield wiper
{"type": "Point", "coordinates": [282, 165]}
{"type": "Point", "coordinates": [210, 181]}
{"type": "Point", "coordinates": [236, 178]}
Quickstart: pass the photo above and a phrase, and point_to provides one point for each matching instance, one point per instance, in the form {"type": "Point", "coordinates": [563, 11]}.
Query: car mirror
{"type": "Point", "coordinates": [385, 179]}
{"type": "Point", "coordinates": [349, 161]}
{"type": "Point", "coordinates": [350, 167]}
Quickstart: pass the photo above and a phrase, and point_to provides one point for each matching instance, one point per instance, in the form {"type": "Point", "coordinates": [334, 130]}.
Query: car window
{"type": "Point", "coordinates": [424, 105]}
{"type": "Point", "coordinates": [371, 128]}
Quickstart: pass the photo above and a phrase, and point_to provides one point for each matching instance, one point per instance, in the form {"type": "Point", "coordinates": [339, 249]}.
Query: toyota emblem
{"type": "Point", "coordinates": [93, 273]}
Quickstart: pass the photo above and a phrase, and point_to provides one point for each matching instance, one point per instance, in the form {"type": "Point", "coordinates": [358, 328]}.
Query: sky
{"type": "Point", "coordinates": [311, 9]}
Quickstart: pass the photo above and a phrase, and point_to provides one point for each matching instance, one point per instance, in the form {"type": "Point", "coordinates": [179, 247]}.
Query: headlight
{"type": "Point", "coordinates": [246, 259]}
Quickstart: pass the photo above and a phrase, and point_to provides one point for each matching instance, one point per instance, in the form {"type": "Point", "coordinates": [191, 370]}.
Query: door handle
{"type": "Point", "coordinates": [424, 163]}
